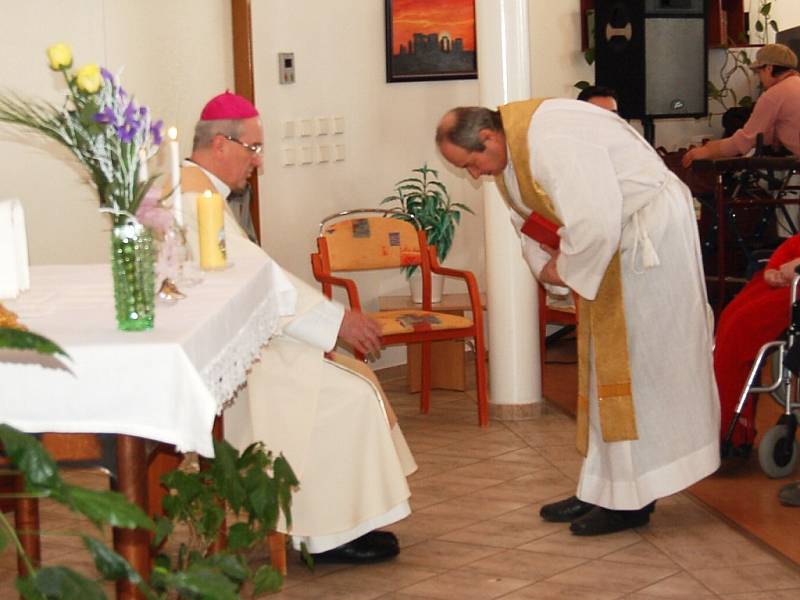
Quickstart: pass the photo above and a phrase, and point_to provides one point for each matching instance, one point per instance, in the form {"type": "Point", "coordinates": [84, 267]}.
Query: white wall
{"type": "Point", "coordinates": [389, 129]}
{"type": "Point", "coordinates": [175, 55]}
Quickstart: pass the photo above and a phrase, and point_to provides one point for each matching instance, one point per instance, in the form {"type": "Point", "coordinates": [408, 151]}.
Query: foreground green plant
{"type": "Point", "coordinates": [198, 500]}
{"type": "Point", "coordinates": [425, 202]}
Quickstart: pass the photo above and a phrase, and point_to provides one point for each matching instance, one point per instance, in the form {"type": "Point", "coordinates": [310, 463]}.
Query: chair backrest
{"type": "Point", "coordinates": [353, 241]}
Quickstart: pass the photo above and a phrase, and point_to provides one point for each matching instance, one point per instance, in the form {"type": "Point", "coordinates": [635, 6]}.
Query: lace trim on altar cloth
{"type": "Point", "coordinates": [227, 373]}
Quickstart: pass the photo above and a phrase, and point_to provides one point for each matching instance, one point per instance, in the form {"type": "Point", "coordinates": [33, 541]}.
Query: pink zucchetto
{"type": "Point", "coordinates": [228, 106]}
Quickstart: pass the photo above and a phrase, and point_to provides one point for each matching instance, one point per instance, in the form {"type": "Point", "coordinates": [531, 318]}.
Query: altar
{"type": "Point", "coordinates": [166, 385]}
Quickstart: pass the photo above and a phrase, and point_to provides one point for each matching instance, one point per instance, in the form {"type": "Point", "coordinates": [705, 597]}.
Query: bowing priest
{"type": "Point", "coordinates": [329, 417]}
{"type": "Point", "coordinates": [626, 243]}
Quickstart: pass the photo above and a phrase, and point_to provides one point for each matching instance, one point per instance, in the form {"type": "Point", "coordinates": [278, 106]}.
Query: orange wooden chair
{"type": "Point", "coordinates": [553, 313]}
{"type": "Point", "coordinates": [370, 239]}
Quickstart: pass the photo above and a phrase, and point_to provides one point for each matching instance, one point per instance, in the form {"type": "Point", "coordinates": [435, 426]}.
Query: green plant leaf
{"type": "Point", "coordinates": [30, 457]}
{"type": "Point", "coordinates": [104, 507]}
{"type": "Point", "coordinates": [233, 566]}
{"type": "Point", "coordinates": [59, 583]}
{"type": "Point", "coordinates": [5, 535]}
{"type": "Point", "coordinates": [774, 26]}
{"type": "Point", "coordinates": [26, 340]}
{"type": "Point", "coordinates": [267, 579]}
{"type": "Point", "coordinates": [766, 8]}
{"type": "Point", "coordinates": [582, 84]}
{"type": "Point", "coordinates": [202, 584]}
{"type": "Point", "coordinates": [759, 26]}
{"type": "Point", "coordinates": [240, 536]}
{"type": "Point", "coordinates": [110, 564]}
{"type": "Point", "coordinates": [746, 102]}
{"type": "Point", "coordinates": [164, 527]}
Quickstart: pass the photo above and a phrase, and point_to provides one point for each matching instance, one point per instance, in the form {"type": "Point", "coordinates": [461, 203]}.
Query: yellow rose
{"type": "Point", "coordinates": [60, 56]}
{"type": "Point", "coordinates": [89, 79]}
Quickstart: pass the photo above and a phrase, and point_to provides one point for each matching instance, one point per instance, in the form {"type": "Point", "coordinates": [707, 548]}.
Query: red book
{"type": "Point", "coordinates": [542, 230]}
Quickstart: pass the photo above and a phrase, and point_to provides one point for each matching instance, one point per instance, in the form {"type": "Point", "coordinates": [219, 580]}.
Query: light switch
{"type": "Point", "coordinates": [285, 67]}
{"type": "Point", "coordinates": [323, 125]}
{"type": "Point", "coordinates": [306, 127]}
{"type": "Point", "coordinates": [338, 124]}
{"type": "Point", "coordinates": [338, 152]}
{"type": "Point", "coordinates": [288, 129]}
{"type": "Point", "coordinates": [306, 155]}
{"type": "Point", "coordinates": [323, 154]}
{"type": "Point", "coordinates": [288, 156]}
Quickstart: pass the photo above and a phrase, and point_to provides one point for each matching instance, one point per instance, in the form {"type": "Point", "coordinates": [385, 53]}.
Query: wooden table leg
{"type": "Point", "coordinates": [132, 544]}
{"type": "Point", "coordinates": [26, 520]}
{"type": "Point", "coordinates": [277, 551]}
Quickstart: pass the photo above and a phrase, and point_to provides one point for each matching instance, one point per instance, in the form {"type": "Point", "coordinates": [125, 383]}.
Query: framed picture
{"type": "Point", "coordinates": [429, 40]}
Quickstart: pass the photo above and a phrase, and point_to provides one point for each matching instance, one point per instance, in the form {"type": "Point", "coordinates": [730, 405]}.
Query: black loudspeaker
{"type": "Point", "coordinates": [653, 54]}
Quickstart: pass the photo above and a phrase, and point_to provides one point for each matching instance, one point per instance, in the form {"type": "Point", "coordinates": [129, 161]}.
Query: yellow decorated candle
{"type": "Point", "coordinates": [211, 229]}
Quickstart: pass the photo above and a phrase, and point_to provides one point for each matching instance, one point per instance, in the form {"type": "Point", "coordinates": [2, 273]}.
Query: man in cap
{"type": "Point", "coordinates": [617, 227]}
{"type": "Point", "coordinates": [329, 417]}
{"type": "Point", "coordinates": [776, 114]}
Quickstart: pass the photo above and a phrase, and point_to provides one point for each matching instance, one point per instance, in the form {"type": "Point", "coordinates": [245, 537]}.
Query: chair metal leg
{"type": "Point", "coordinates": [425, 392]}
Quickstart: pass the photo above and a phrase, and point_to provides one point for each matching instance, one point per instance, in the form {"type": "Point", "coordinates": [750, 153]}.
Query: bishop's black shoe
{"type": "Point", "coordinates": [600, 521]}
{"type": "Point", "coordinates": [565, 511]}
{"type": "Point", "coordinates": [375, 546]}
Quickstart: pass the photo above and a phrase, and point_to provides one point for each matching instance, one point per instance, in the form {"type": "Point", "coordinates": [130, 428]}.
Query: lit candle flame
{"type": "Point", "coordinates": [172, 132]}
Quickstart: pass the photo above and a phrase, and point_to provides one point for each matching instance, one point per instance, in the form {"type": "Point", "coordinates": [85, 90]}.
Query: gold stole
{"type": "Point", "coordinates": [601, 320]}
{"type": "Point", "coordinates": [195, 181]}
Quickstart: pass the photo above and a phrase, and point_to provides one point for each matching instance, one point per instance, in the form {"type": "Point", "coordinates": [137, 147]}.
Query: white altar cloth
{"type": "Point", "coordinates": [166, 384]}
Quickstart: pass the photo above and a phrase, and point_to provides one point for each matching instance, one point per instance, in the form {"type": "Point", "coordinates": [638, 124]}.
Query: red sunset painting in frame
{"type": "Point", "coordinates": [430, 39]}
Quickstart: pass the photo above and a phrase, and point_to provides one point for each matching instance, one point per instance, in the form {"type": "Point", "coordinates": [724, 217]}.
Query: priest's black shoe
{"type": "Point", "coordinates": [600, 521]}
{"type": "Point", "coordinates": [371, 547]}
{"type": "Point", "coordinates": [565, 511]}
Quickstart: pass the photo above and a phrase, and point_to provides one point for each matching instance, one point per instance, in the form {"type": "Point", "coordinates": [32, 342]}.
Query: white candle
{"type": "Point", "coordinates": [175, 175]}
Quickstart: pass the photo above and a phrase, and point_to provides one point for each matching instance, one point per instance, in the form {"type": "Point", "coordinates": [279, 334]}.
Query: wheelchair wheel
{"type": "Point", "coordinates": [775, 455]}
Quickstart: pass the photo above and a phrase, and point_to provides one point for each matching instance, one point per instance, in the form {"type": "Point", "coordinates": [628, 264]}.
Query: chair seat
{"type": "Point", "coordinates": [393, 322]}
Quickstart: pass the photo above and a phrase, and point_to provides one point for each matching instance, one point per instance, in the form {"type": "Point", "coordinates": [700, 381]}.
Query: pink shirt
{"type": "Point", "coordinates": [776, 115]}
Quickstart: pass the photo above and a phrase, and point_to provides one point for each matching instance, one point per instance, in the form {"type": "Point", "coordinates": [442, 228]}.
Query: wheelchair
{"type": "Point", "coordinates": [778, 448]}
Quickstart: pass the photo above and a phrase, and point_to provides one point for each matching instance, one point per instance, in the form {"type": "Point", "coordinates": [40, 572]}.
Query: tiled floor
{"type": "Point", "coordinates": [475, 532]}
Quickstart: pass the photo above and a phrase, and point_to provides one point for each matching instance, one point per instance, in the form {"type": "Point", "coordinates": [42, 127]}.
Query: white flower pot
{"type": "Point", "coordinates": [437, 285]}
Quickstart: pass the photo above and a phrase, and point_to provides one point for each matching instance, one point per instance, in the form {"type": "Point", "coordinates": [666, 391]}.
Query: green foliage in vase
{"type": "Point", "coordinates": [736, 65]}
{"type": "Point", "coordinates": [101, 126]}
{"type": "Point", "coordinates": [242, 483]}
{"type": "Point", "coordinates": [737, 61]}
{"type": "Point", "coordinates": [765, 22]}
{"type": "Point", "coordinates": [424, 201]}
{"type": "Point", "coordinates": [20, 339]}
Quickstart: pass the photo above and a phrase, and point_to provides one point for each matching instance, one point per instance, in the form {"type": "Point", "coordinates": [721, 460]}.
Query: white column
{"type": "Point", "coordinates": [504, 76]}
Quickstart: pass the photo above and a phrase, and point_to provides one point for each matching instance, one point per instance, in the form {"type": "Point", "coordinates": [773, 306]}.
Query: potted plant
{"type": "Point", "coordinates": [427, 204]}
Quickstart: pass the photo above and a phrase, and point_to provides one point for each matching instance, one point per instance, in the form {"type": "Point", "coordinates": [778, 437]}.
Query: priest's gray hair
{"type": "Point", "coordinates": [205, 131]}
{"type": "Point", "coordinates": [462, 126]}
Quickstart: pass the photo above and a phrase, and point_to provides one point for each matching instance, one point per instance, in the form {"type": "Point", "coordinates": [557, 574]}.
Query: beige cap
{"type": "Point", "coordinates": [775, 54]}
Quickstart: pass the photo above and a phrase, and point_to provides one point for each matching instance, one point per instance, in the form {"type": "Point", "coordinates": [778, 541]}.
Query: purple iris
{"type": "Point", "coordinates": [155, 132]}
{"type": "Point", "coordinates": [105, 116]}
{"type": "Point", "coordinates": [106, 74]}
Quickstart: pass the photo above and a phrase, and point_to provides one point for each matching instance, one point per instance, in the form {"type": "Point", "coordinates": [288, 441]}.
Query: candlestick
{"type": "Point", "coordinates": [175, 176]}
{"type": "Point", "coordinates": [211, 230]}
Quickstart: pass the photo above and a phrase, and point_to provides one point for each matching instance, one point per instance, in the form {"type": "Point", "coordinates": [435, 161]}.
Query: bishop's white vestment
{"type": "Point", "coordinates": [328, 417]}
{"type": "Point", "coordinates": [611, 189]}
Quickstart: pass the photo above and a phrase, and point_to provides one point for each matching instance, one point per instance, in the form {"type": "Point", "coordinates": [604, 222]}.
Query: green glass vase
{"type": "Point", "coordinates": [133, 269]}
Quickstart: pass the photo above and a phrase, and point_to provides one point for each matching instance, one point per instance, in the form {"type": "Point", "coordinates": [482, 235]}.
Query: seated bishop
{"type": "Point", "coordinates": [324, 411]}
